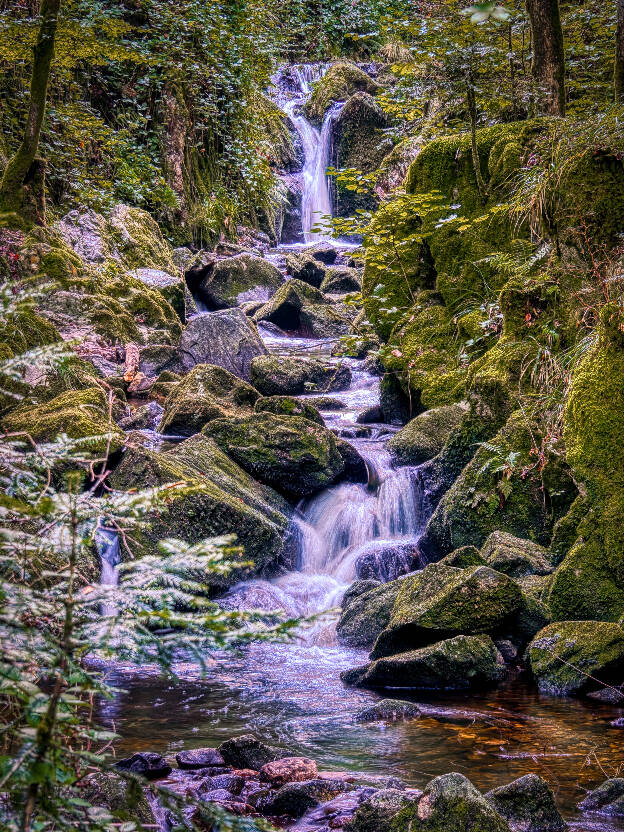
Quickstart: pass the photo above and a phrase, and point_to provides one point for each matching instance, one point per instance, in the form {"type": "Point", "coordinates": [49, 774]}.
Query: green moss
{"type": "Point", "coordinates": [138, 240]}
{"type": "Point", "coordinates": [339, 82]}
{"type": "Point", "coordinates": [288, 406]}
{"type": "Point", "coordinates": [426, 435]}
{"type": "Point", "coordinates": [463, 558]}
{"type": "Point", "coordinates": [493, 380]}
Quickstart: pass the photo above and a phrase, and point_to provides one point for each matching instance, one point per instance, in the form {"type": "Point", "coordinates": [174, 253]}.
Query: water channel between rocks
{"type": "Point", "coordinates": [290, 694]}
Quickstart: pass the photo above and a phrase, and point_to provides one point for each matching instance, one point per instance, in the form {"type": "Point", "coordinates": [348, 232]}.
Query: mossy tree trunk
{"type": "Point", "coordinates": [619, 54]}
{"type": "Point", "coordinates": [471, 100]}
{"type": "Point", "coordinates": [548, 54]}
{"type": "Point", "coordinates": [21, 189]}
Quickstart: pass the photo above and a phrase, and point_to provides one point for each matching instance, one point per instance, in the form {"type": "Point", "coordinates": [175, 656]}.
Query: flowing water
{"type": "Point", "coordinates": [107, 542]}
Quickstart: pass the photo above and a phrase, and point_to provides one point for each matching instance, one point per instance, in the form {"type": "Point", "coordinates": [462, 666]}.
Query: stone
{"type": "Point", "coordinates": [357, 588]}
{"type": "Point", "coordinates": [279, 376]}
{"type": "Point", "coordinates": [146, 763]}
{"type": "Point", "coordinates": [234, 280]}
{"type": "Point", "coordinates": [341, 80]}
{"type": "Point", "coordinates": [171, 287]}
{"type": "Point", "coordinates": [288, 406]}
{"type": "Point", "coordinates": [295, 456]}
{"type": "Point", "coordinates": [389, 710]}
{"type": "Point", "coordinates": [207, 392]}
{"type": "Point", "coordinates": [234, 783]}
{"type": "Point", "coordinates": [607, 799]}
{"type": "Point", "coordinates": [424, 436]}
{"type": "Point", "coordinates": [365, 615]}
{"type": "Point", "coordinates": [460, 663]}
{"type": "Point", "coordinates": [576, 657]}
{"type": "Point", "coordinates": [199, 758]}
{"type": "Point", "coordinates": [387, 560]}
{"type": "Point", "coordinates": [116, 794]}
{"type": "Point", "coordinates": [463, 558]}
{"type": "Point", "coordinates": [515, 557]}
{"type": "Point", "coordinates": [145, 417]}
{"type": "Point", "coordinates": [159, 358]}
{"type": "Point", "coordinates": [248, 752]}
{"type": "Point", "coordinates": [528, 805]}
{"type": "Point", "coordinates": [341, 279]}
{"type": "Point", "coordinates": [371, 416]}
{"type": "Point", "coordinates": [302, 310]}
{"type": "Point", "coordinates": [355, 468]}
{"type": "Point", "coordinates": [324, 253]}
{"type": "Point", "coordinates": [326, 403]}
{"type": "Point", "coordinates": [295, 799]}
{"type": "Point", "coordinates": [441, 602]}
{"type": "Point", "coordinates": [226, 338]}
{"type": "Point", "coordinates": [288, 770]}
{"type": "Point", "coordinates": [375, 813]}
{"type": "Point", "coordinates": [306, 268]}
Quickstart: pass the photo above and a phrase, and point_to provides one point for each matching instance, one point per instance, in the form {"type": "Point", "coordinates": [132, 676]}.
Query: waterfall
{"type": "Point", "coordinates": [107, 543]}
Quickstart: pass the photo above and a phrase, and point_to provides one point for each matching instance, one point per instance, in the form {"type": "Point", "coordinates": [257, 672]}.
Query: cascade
{"type": "Point", "coordinates": [107, 543]}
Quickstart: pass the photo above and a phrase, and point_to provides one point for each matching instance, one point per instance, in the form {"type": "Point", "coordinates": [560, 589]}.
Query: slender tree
{"type": "Point", "coordinates": [21, 189]}
{"type": "Point", "coordinates": [619, 54]}
{"type": "Point", "coordinates": [548, 54]}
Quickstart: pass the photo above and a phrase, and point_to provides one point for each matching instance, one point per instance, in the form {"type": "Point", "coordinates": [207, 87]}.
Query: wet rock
{"type": "Point", "coordinates": [324, 253]}
{"type": "Point", "coordinates": [450, 803]}
{"type": "Point", "coordinates": [366, 615]}
{"type": "Point", "coordinates": [207, 392]}
{"type": "Point", "coordinates": [306, 268]}
{"type": "Point", "coordinates": [441, 602]}
{"type": "Point", "coordinates": [460, 663]}
{"type": "Point", "coordinates": [424, 437]}
{"type": "Point", "coordinates": [248, 752]}
{"type": "Point", "coordinates": [341, 80]}
{"type": "Point", "coordinates": [146, 763]}
{"type": "Point", "coordinates": [375, 814]}
{"type": "Point", "coordinates": [389, 710]}
{"type": "Point", "coordinates": [233, 783]}
{"type": "Point", "coordinates": [372, 415]}
{"type": "Point", "coordinates": [384, 560]}
{"type": "Point", "coordinates": [234, 280]}
{"type": "Point", "coordinates": [221, 796]}
{"type": "Point", "coordinates": [279, 376]}
{"type": "Point", "coordinates": [225, 338]}
{"type": "Point", "coordinates": [288, 770]}
{"type": "Point", "coordinates": [326, 403]}
{"type": "Point", "coordinates": [609, 695]}
{"type": "Point", "coordinates": [355, 469]}
{"type": "Point", "coordinates": [143, 418]}
{"type": "Point", "coordinates": [514, 556]}
{"type": "Point", "coordinates": [574, 657]}
{"type": "Point", "coordinates": [170, 287]}
{"type": "Point", "coordinates": [159, 358]}
{"type": "Point", "coordinates": [607, 799]}
{"type": "Point", "coordinates": [288, 406]}
{"type": "Point", "coordinates": [295, 799]}
{"type": "Point", "coordinates": [463, 558]}
{"type": "Point", "coordinates": [357, 588]}
{"type": "Point", "coordinates": [341, 279]}
{"type": "Point", "coordinates": [293, 455]}
{"type": "Point", "coordinates": [196, 758]}
{"type": "Point", "coordinates": [303, 310]}
{"type": "Point", "coordinates": [528, 805]}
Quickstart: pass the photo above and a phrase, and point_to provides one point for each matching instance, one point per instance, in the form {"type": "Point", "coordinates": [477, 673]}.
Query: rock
{"type": "Point", "coordinates": [225, 338]}
{"type": "Point", "coordinates": [302, 310]}
{"type": "Point", "coordinates": [608, 695]}
{"type": "Point", "coordinates": [341, 80]}
{"type": "Point", "coordinates": [279, 376]}
{"type": "Point", "coordinates": [515, 557]}
{"type": "Point", "coordinates": [143, 418]}
{"type": "Point", "coordinates": [357, 588]}
{"type": "Point", "coordinates": [366, 615]}
{"type": "Point", "coordinates": [222, 499]}
{"type": "Point", "coordinates": [528, 805]}
{"type": "Point", "coordinates": [607, 799]}
{"type": "Point", "coordinates": [248, 752]}
{"type": "Point", "coordinates": [424, 437]}
{"type": "Point", "coordinates": [306, 268]}
{"type": "Point", "coordinates": [386, 560]}
{"type": "Point", "coordinates": [324, 252]}
{"type": "Point", "coordinates": [292, 454]}
{"type": "Point", "coordinates": [288, 770]}
{"type": "Point", "coordinates": [355, 468]}
{"type": "Point", "coordinates": [375, 814]}
{"type": "Point", "coordinates": [371, 416]}
{"type": "Point", "coordinates": [159, 358]}
{"type": "Point", "coordinates": [170, 287]}
{"type": "Point", "coordinates": [450, 803]}
{"type": "Point", "coordinates": [234, 783]}
{"type": "Point", "coordinates": [199, 758]}
{"type": "Point", "coordinates": [288, 406]}
{"type": "Point", "coordinates": [114, 793]}
{"type": "Point", "coordinates": [231, 281]}
{"type": "Point", "coordinates": [295, 799]}
{"type": "Point", "coordinates": [341, 279]}
{"type": "Point", "coordinates": [181, 257]}
{"type": "Point", "coordinates": [221, 796]}
{"type": "Point", "coordinates": [441, 602]}
{"type": "Point", "coordinates": [326, 403]}
{"type": "Point", "coordinates": [389, 710]}
{"type": "Point", "coordinates": [207, 392]}
{"type": "Point", "coordinates": [460, 663]}
{"type": "Point", "coordinates": [565, 656]}
{"type": "Point", "coordinates": [463, 558]}
{"type": "Point", "coordinates": [146, 763]}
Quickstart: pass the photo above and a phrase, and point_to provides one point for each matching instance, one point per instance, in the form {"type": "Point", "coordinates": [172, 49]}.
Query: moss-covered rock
{"type": "Point", "coordinates": [218, 498]}
{"type": "Point", "coordinates": [515, 557]}
{"type": "Point", "coordinates": [292, 454]}
{"type": "Point", "coordinates": [441, 602]}
{"type": "Point", "coordinates": [341, 279]}
{"type": "Point", "coordinates": [340, 81]}
{"type": "Point", "coordinates": [574, 657]}
{"type": "Point", "coordinates": [207, 392]}
{"type": "Point", "coordinates": [306, 268]}
{"type": "Point", "coordinates": [288, 406]}
{"type": "Point", "coordinates": [463, 558]}
{"type": "Point", "coordinates": [233, 280]}
{"type": "Point", "coordinates": [375, 814]}
{"type": "Point", "coordinates": [528, 804]}
{"type": "Point", "coordinates": [124, 799]}
{"type": "Point", "coordinates": [366, 614]}
{"type": "Point", "coordinates": [425, 436]}
{"type": "Point", "coordinates": [301, 309]}
{"type": "Point", "coordinates": [279, 376]}
{"type": "Point", "coordinates": [460, 663]}
{"type": "Point", "coordinates": [226, 338]}
{"type": "Point", "coordinates": [607, 799]}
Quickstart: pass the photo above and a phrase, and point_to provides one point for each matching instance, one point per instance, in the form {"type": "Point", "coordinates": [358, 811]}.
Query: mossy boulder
{"type": "Point", "coordinates": [460, 663]}
{"type": "Point", "coordinates": [341, 80]}
{"type": "Point", "coordinates": [463, 558]}
{"type": "Point", "coordinates": [425, 436]}
{"type": "Point", "coordinates": [288, 406]}
{"type": "Point", "coordinates": [366, 613]}
{"type": "Point", "coordinates": [234, 280]}
{"type": "Point", "coordinates": [515, 557]}
{"type": "Point", "coordinates": [528, 805]}
{"type": "Point", "coordinates": [207, 392]}
{"type": "Point", "coordinates": [450, 803]}
{"type": "Point", "coordinates": [226, 338]}
{"type": "Point", "coordinates": [218, 498]}
{"type": "Point", "coordinates": [441, 602]}
{"type": "Point", "coordinates": [290, 453]}
{"type": "Point", "coordinates": [171, 287]}
{"type": "Point", "coordinates": [303, 310]}
{"type": "Point", "coordinates": [575, 657]}
{"type": "Point", "coordinates": [341, 279]}
{"type": "Point", "coordinates": [607, 799]}
{"type": "Point", "coordinates": [125, 799]}
{"type": "Point", "coordinates": [279, 376]}
{"type": "Point", "coordinates": [375, 813]}
{"type": "Point", "coordinates": [306, 268]}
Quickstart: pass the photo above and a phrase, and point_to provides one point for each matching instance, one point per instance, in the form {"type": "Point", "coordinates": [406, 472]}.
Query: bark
{"type": "Point", "coordinates": [476, 160]}
{"type": "Point", "coordinates": [548, 54]}
{"type": "Point", "coordinates": [177, 120]}
{"type": "Point", "coordinates": [16, 185]}
{"type": "Point", "coordinates": [132, 362]}
{"type": "Point", "coordinates": [619, 54]}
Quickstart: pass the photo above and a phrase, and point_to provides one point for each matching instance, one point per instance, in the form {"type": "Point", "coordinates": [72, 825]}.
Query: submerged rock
{"type": "Point", "coordinates": [528, 804]}
{"type": "Point", "coordinates": [227, 339]}
{"type": "Point", "coordinates": [279, 376]}
{"type": "Point", "coordinates": [389, 710]}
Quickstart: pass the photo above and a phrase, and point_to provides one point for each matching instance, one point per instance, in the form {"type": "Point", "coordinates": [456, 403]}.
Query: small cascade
{"type": "Point", "coordinates": [107, 543]}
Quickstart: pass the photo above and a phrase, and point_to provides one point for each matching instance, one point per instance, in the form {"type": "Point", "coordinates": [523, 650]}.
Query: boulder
{"type": "Point", "coordinates": [233, 280]}
{"type": "Point", "coordinates": [355, 468]}
{"type": "Point", "coordinates": [324, 252]}
{"type": "Point", "coordinates": [375, 813]}
{"type": "Point", "coordinates": [170, 287]}
{"type": "Point", "coordinates": [341, 80]}
{"type": "Point", "coordinates": [425, 436]}
{"type": "Point", "coordinates": [389, 710]}
{"type": "Point", "coordinates": [197, 758]}
{"type": "Point", "coordinates": [441, 602]}
{"type": "Point", "coordinates": [575, 657]}
{"type": "Point", "coordinates": [607, 799]}
{"type": "Point", "coordinates": [450, 803]}
{"type": "Point", "coordinates": [463, 558]}
{"type": "Point", "coordinates": [341, 279]}
{"type": "Point", "coordinates": [288, 770]}
{"type": "Point", "coordinates": [305, 267]}
{"type": "Point", "coordinates": [460, 663]}
{"type": "Point", "coordinates": [227, 339]}
{"type": "Point", "coordinates": [365, 615]}
{"type": "Point", "coordinates": [515, 557]}
{"type": "Point", "coordinates": [288, 406]}
{"type": "Point", "coordinates": [292, 454]}
{"type": "Point", "coordinates": [120, 797]}
{"type": "Point", "coordinates": [279, 376]}
{"type": "Point", "coordinates": [160, 358]}
{"type": "Point", "coordinates": [207, 392]}
{"type": "Point", "coordinates": [386, 560]}
{"type": "Point", "coordinates": [248, 752]}
{"type": "Point", "coordinates": [302, 310]}
{"type": "Point", "coordinates": [528, 805]}
{"type": "Point", "coordinates": [326, 403]}
{"type": "Point", "coordinates": [143, 418]}
{"type": "Point", "coordinates": [357, 588]}
{"type": "Point", "coordinates": [295, 799]}
{"type": "Point", "coordinates": [146, 763]}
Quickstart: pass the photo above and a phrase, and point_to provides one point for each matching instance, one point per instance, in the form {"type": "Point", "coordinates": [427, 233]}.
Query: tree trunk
{"type": "Point", "coordinates": [619, 54]}
{"type": "Point", "coordinates": [548, 54]}
{"type": "Point", "coordinates": [24, 169]}
{"type": "Point", "coordinates": [476, 160]}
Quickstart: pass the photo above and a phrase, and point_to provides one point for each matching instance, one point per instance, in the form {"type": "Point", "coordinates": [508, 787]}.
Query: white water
{"type": "Point", "coordinates": [107, 543]}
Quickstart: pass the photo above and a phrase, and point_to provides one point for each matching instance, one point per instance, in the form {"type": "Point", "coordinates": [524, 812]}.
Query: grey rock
{"type": "Point", "coordinates": [225, 338]}
{"type": "Point", "coordinates": [248, 752]}
{"type": "Point", "coordinates": [528, 804]}
{"type": "Point", "coordinates": [607, 799]}
{"type": "Point", "coordinates": [146, 763]}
